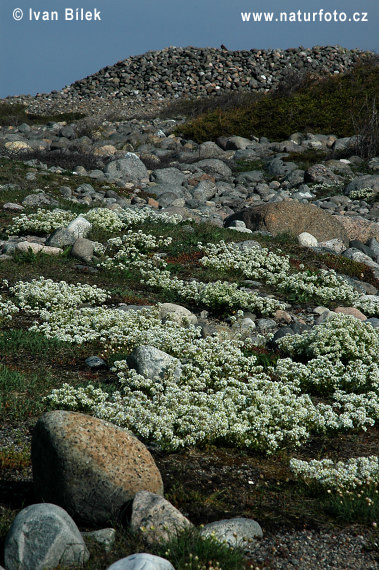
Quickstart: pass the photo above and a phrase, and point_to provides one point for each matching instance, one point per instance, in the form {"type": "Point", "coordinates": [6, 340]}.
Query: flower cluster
{"type": "Point", "coordinates": [7, 309]}
{"type": "Point", "coordinates": [215, 295]}
{"type": "Point", "coordinates": [131, 250]}
{"type": "Point", "coordinates": [131, 217]}
{"type": "Point", "coordinates": [362, 194]}
{"type": "Point", "coordinates": [42, 221]}
{"type": "Point", "coordinates": [259, 263]}
{"type": "Point", "coordinates": [45, 293]}
{"type": "Point", "coordinates": [340, 337]}
{"type": "Point", "coordinates": [351, 475]}
{"type": "Point", "coordinates": [104, 219]}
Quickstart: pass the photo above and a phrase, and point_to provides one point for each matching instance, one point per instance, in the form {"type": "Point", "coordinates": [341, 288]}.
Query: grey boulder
{"type": "Point", "coordinates": [129, 169]}
{"type": "Point", "coordinates": [43, 536]}
{"type": "Point", "coordinates": [171, 176]}
{"type": "Point", "coordinates": [83, 249]}
{"type": "Point", "coordinates": [152, 362]}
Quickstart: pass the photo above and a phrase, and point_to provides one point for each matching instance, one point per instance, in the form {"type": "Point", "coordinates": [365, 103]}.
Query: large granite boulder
{"type": "Point", "coordinates": [89, 467]}
{"type": "Point", "coordinates": [291, 217]}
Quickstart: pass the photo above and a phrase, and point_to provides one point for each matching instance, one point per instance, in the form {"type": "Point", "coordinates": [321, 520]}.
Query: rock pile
{"type": "Point", "coordinates": [190, 71]}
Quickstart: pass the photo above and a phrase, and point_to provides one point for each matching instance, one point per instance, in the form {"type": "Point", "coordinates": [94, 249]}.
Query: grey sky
{"type": "Point", "coordinates": [39, 56]}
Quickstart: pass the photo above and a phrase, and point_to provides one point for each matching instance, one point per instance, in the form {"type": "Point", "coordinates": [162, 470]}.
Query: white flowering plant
{"type": "Point", "coordinates": [41, 222]}
{"type": "Point", "coordinates": [351, 486]}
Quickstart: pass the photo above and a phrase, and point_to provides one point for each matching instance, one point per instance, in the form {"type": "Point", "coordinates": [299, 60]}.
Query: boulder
{"type": "Point", "coordinates": [158, 519]}
{"type": "Point", "coordinates": [151, 362]}
{"type": "Point", "coordinates": [215, 167]}
{"type": "Point", "coordinates": [142, 561]}
{"type": "Point", "coordinates": [291, 217]}
{"type": "Point", "coordinates": [357, 227]}
{"type": "Point", "coordinates": [234, 532]}
{"type": "Point", "coordinates": [176, 313]}
{"type": "Point", "coordinates": [61, 238]}
{"type": "Point", "coordinates": [83, 249]}
{"type": "Point", "coordinates": [128, 169]}
{"type": "Point", "coordinates": [39, 199]}
{"type": "Point", "coordinates": [80, 227]}
{"type": "Point", "coordinates": [171, 176]}
{"type": "Point", "coordinates": [44, 536]}
{"type": "Point", "coordinates": [321, 174]}
{"type": "Point", "coordinates": [88, 466]}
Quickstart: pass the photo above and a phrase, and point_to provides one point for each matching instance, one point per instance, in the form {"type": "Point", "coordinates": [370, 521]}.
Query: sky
{"type": "Point", "coordinates": [43, 46]}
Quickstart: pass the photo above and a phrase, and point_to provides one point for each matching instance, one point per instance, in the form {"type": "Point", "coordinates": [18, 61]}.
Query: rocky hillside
{"type": "Point", "coordinates": [211, 309]}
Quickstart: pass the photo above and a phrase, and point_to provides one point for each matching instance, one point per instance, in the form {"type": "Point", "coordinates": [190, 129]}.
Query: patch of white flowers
{"type": "Point", "coordinates": [42, 221]}
{"type": "Point", "coordinates": [131, 216]}
{"type": "Point", "coordinates": [131, 249]}
{"type": "Point", "coordinates": [45, 293]}
{"type": "Point", "coordinates": [7, 309]}
{"type": "Point", "coordinates": [353, 477]}
{"type": "Point", "coordinates": [324, 285]}
{"type": "Point", "coordinates": [104, 219]}
{"type": "Point", "coordinates": [362, 194]}
{"type": "Point", "coordinates": [340, 337]}
{"type": "Point", "coordinates": [215, 295]}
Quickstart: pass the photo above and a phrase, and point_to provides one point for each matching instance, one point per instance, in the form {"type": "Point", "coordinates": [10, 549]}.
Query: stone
{"type": "Point", "coordinates": [248, 244]}
{"type": "Point", "coordinates": [158, 519]}
{"type": "Point", "coordinates": [89, 467]}
{"type": "Point", "coordinates": [95, 363]}
{"type": "Point", "coordinates": [152, 362]}
{"type": "Point", "coordinates": [39, 199]}
{"type": "Point", "coordinates": [321, 174]}
{"type": "Point", "coordinates": [359, 228]}
{"type": "Point", "coordinates": [80, 227]}
{"type": "Point", "coordinates": [61, 238]}
{"type": "Point", "coordinates": [13, 207]}
{"type": "Point", "coordinates": [307, 240]}
{"type": "Point", "coordinates": [336, 245]}
{"type": "Point", "coordinates": [83, 249]}
{"type": "Point", "coordinates": [360, 257]}
{"type": "Point", "coordinates": [291, 217]}
{"type": "Point", "coordinates": [129, 169]}
{"type": "Point", "coordinates": [277, 167]}
{"type": "Point", "coordinates": [44, 536]}
{"type": "Point", "coordinates": [369, 181]}
{"type": "Point", "coordinates": [171, 176]}
{"type": "Point", "coordinates": [210, 149]}
{"type": "Point", "coordinates": [26, 246]}
{"type": "Point", "coordinates": [142, 561]}
{"type": "Point", "coordinates": [233, 532]}
{"type": "Point", "coordinates": [351, 311]}
{"type": "Point", "coordinates": [176, 313]}
{"type": "Point", "coordinates": [215, 167]}
{"type": "Point", "coordinates": [105, 537]}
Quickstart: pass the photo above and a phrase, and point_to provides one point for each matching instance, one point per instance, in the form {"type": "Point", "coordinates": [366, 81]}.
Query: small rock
{"type": "Point", "coordinates": [307, 240]}
{"type": "Point", "coordinates": [176, 313]}
{"type": "Point", "coordinates": [158, 519]}
{"type": "Point", "coordinates": [104, 536]}
{"type": "Point", "coordinates": [234, 532]}
{"type": "Point", "coordinates": [141, 561]}
{"type": "Point", "coordinates": [83, 249]}
{"type": "Point", "coordinates": [351, 311]}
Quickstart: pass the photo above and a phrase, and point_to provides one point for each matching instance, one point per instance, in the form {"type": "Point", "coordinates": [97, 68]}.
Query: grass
{"type": "Point", "coordinates": [326, 106]}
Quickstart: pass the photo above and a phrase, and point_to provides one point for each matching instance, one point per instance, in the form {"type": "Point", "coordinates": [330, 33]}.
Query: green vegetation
{"type": "Point", "coordinates": [16, 114]}
{"type": "Point", "coordinates": [320, 106]}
